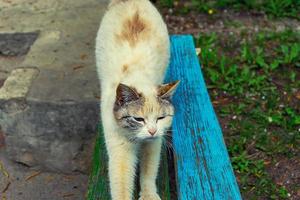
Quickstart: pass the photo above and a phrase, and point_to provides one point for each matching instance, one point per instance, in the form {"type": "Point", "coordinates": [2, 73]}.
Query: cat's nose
{"type": "Point", "coordinates": [152, 131]}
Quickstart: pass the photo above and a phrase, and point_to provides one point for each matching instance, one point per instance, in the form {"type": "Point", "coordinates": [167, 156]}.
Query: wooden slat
{"type": "Point", "coordinates": [98, 184]}
{"type": "Point", "coordinates": [163, 183]}
{"type": "Point", "coordinates": [202, 162]}
{"type": "Point", "coordinates": [98, 188]}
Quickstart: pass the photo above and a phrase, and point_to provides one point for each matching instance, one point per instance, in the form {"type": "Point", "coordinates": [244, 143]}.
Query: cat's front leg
{"type": "Point", "coordinates": [122, 164]}
{"type": "Point", "coordinates": [149, 163]}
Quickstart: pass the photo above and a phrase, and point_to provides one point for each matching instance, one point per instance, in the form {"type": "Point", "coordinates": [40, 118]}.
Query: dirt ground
{"type": "Point", "coordinates": [285, 172]}
{"type": "Point", "coordinates": [226, 22]}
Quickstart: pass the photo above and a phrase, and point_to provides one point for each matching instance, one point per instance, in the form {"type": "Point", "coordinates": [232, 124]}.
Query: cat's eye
{"type": "Point", "coordinates": [139, 119]}
{"type": "Point", "coordinates": [162, 117]}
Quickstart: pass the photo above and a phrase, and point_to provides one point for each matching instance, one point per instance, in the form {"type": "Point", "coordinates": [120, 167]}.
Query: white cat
{"type": "Point", "coordinates": [132, 53]}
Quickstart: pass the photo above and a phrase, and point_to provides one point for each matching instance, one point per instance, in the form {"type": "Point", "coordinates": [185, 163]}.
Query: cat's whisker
{"type": "Point", "coordinates": [168, 137]}
{"type": "Point", "coordinates": [170, 130]}
{"type": "Point", "coordinates": [168, 146]}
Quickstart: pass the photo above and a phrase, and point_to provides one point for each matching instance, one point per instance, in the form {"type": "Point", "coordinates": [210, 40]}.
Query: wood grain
{"type": "Point", "coordinates": [202, 163]}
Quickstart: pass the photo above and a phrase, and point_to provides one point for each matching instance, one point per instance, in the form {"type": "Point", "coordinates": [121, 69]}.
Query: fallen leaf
{"type": "Point", "coordinates": [49, 178]}
{"type": "Point", "coordinates": [96, 96]}
{"type": "Point", "coordinates": [267, 162]}
{"type": "Point", "coordinates": [68, 178]}
{"type": "Point", "coordinates": [274, 139]}
{"type": "Point", "coordinates": [78, 67]}
{"type": "Point", "coordinates": [220, 101]}
{"type": "Point", "coordinates": [6, 187]}
{"type": "Point", "coordinates": [3, 170]}
{"type": "Point", "coordinates": [68, 195]}
{"type": "Point", "coordinates": [33, 175]}
{"type": "Point", "coordinates": [298, 95]}
{"type": "Point", "coordinates": [279, 183]}
{"type": "Point", "coordinates": [83, 56]}
{"type": "Point", "coordinates": [7, 1]}
{"type": "Point", "coordinates": [2, 139]}
{"type": "Point", "coordinates": [4, 197]}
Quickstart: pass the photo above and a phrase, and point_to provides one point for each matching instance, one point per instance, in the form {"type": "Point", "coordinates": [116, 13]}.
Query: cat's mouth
{"type": "Point", "coordinates": [143, 139]}
{"type": "Point", "coordinates": [150, 138]}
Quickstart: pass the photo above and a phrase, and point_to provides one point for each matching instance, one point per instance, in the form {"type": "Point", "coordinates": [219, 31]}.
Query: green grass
{"type": "Point", "coordinates": [252, 81]}
{"type": "Point", "coordinates": [274, 8]}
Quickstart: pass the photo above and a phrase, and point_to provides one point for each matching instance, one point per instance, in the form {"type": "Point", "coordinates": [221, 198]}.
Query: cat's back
{"type": "Point", "coordinates": [132, 39]}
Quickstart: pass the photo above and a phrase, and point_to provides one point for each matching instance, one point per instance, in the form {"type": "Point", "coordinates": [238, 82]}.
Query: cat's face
{"type": "Point", "coordinates": [144, 117]}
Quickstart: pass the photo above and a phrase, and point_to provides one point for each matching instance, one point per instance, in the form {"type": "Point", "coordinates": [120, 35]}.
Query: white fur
{"type": "Point", "coordinates": [147, 60]}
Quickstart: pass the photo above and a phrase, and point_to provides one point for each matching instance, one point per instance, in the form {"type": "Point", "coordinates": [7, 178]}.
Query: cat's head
{"type": "Point", "coordinates": [141, 116]}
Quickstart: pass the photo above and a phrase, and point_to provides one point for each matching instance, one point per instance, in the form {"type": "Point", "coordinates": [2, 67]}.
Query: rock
{"type": "Point", "coordinates": [16, 44]}
{"type": "Point", "coordinates": [48, 105]}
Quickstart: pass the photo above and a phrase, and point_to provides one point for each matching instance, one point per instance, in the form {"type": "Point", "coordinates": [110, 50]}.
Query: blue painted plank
{"type": "Point", "coordinates": [202, 163]}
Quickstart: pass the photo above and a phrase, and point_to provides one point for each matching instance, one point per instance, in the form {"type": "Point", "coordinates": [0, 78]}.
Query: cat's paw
{"type": "Point", "coordinates": [149, 196]}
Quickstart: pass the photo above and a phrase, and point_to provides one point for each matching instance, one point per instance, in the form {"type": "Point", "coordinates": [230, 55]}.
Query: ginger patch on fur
{"type": "Point", "coordinates": [133, 30]}
{"type": "Point", "coordinates": [125, 68]}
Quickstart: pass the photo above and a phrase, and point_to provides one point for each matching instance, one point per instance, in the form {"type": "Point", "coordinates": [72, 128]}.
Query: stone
{"type": "Point", "coordinates": [49, 112]}
{"type": "Point", "coordinates": [16, 44]}
{"type": "Point", "coordinates": [18, 83]}
{"type": "Point", "coordinates": [51, 136]}
{"type": "Point", "coordinates": [20, 182]}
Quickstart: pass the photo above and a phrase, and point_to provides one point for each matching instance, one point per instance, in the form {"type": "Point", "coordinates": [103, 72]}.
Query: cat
{"type": "Point", "coordinates": [132, 54]}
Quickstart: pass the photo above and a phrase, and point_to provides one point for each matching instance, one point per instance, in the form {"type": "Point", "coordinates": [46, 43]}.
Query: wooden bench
{"type": "Point", "coordinates": [202, 165]}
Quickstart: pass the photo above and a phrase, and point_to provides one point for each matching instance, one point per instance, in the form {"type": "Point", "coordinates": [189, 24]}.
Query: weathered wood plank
{"type": "Point", "coordinates": [202, 163]}
{"type": "Point", "coordinates": [98, 188]}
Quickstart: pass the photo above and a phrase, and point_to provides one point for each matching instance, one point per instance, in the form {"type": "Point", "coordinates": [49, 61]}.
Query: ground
{"type": "Point", "coordinates": [19, 182]}
{"type": "Point", "coordinates": [46, 37]}
{"type": "Point", "coordinates": [250, 59]}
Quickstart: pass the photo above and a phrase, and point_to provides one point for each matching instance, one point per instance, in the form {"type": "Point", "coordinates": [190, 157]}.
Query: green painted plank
{"type": "Point", "coordinates": [98, 184]}
{"type": "Point", "coordinates": [163, 183]}
{"type": "Point", "coordinates": [98, 188]}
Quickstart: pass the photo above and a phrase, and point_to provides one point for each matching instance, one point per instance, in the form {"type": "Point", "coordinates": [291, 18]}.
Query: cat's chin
{"type": "Point", "coordinates": [150, 139]}
{"type": "Point", "coordinates": [144, 139]}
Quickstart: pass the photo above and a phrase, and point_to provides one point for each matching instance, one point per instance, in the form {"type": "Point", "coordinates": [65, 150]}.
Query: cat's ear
{"type": "Point", "coordinates": [126, 94]}
{"type": "Point", "coordinates": [167, 90]}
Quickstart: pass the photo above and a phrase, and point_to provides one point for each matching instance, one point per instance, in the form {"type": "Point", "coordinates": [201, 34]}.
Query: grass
{"type": "Point", "coordinates": [254, 82]}
{"type": "Point", "coordinates": [273, 8]}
